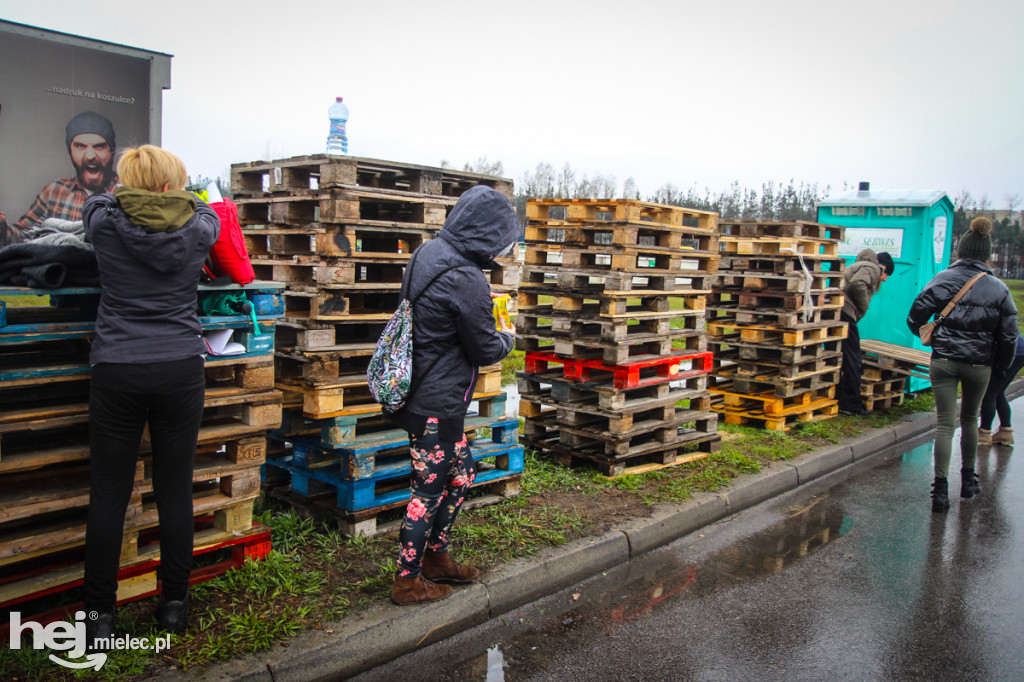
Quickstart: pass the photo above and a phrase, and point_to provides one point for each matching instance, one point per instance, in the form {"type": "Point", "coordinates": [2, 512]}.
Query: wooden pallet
{"type": "Point", "coordinates": [906, 361]}
{"type": "Point", "coordinates": [690, 446]}
{"type": "Point", "coordinates": [772, 353]}
{"type": "Point", "coordinates": [360, 429]}
{"type": "Point", "coordinates": [883, 401]}
{"type": "Point", "coordinates": [817, 411]}
{"type": "Point", "coordinates": [782, 264]}
{"type": "Point", "coordinates": [783, 387]}
{"type": "Point", "coordinates": [781, 228]}
{"type": "Point", "coordinates": [366, 454]}
{"type": "Point", "coordinates": [136, 577]}
{"type": "Point", "coordinates": [636, 261]}
{"type": "Point", "coordinates": [765, 247]}
{"type": "Point", "coordinates": [727, 364]}
{"type": "Point", "coordinates": [551, 279]}
{"type": "Point", "coordinates": [637, 374]}
{"type": "Point", "coordinates": [624, 235]}
{"type": "Point", "coordinates": [387, 518]}
{"type": "Point", "coordinates": [612, 353]}
{"type": "Point", "coordinates": [43, 501]}
{"type": "Point", "coordinates": [318, 171]}
{"type": "Point", "coordinates": [336, 241]}
{"type": "Point", "coordinates": [619, 211]}
{"type": "Point", "coordinates": [390, 479]}
{"type": "Point", "coordinates": [772, 317]}
{"type": "Point", "coordinates": [755, 299]}
{"type": "Point", "coordinates": [767, 402]}
{"type": "Point", "coordinates": [380, 208]}
{"type": "Point", "coordinates": [765, 334]}
{"type": "Point", "coordinates": [793, 282]}
{"type": "Point", "coordinates": [601, 398]}
{"type": "Point", "coordinates": [624, 330]}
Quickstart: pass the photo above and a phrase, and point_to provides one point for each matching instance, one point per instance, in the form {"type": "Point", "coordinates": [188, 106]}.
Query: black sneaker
{"type": "Point", "coordinates": [969, 486]}
{"type": "Point", "coordinates": [940, 494]}
{"type": "Point", "coordinates": [854, 411]}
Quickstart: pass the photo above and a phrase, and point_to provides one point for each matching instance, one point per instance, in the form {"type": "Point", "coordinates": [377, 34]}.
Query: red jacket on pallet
{"type": "Point", "coordinates": [229, 255]}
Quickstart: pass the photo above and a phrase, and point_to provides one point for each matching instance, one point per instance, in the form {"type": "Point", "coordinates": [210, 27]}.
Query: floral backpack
{"type": "Point", "coordinates": [389, 374]}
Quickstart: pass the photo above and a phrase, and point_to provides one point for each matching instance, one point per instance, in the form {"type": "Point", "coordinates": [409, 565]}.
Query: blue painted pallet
{"type": "Point", "coordinates": [389, 483]}
{"type": "Point", "coordinates": [356, 458]}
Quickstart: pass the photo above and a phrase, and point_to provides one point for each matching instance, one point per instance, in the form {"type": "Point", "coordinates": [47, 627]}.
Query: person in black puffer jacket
{"type": "Point", "coordinates": [454, 325]}
{"type": "Point", "coordinates": [151, 239]}
{"type": "Point", "coordinates": [979, 333]}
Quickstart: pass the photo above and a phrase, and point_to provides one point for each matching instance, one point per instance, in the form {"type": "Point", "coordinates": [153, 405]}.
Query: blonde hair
{"type": "Point", "coordinates": [150, 168]}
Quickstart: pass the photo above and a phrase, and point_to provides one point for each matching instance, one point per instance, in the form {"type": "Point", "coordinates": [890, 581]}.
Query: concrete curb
{"type": "Point", "coordinates": [385, 631]}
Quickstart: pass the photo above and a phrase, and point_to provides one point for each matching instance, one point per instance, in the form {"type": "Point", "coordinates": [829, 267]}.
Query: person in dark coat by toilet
{"type": "Point", "coordinates": [861, 281]}
{"type": "Point", "coordinates": [454, 324]}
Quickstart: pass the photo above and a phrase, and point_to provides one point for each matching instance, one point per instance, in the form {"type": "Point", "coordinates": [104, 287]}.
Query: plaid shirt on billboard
{"type": "Point", "coordinates": [64, 198]}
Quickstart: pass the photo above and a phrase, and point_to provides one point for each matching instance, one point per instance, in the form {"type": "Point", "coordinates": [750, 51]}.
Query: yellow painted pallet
{"type": "Point", "coordinates": [817, 411]}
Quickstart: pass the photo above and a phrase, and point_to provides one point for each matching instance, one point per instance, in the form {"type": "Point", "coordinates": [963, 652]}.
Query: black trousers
{"type": "Point", "coordinates": [122, 399]}
{"type": "Point", "coordinates": [995, 397]}
{"type": "Point", "coordinates": [852, 368]}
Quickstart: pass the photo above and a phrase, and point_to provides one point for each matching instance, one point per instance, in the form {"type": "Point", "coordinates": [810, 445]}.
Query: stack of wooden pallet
{"type": "Point", "coordinates": [614, 293]}
{"type": "Point", "coordinates": [339, 232]}
{"type": "Point", "coordinates": [886, 368]}
{"type": "Point", "coordinates": [44, 445]}
{"type": "Point", "coordinates": [774, 323]}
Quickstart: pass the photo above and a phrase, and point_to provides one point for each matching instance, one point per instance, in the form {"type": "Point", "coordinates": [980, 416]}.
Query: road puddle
{"type": "Point", "coordinates": [535, 637]}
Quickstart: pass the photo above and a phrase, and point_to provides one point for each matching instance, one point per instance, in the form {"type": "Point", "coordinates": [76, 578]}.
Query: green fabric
{"type": "Point", "coordinates": [160, 211]}
{"type": "Point", "coordinates": [227, 303]}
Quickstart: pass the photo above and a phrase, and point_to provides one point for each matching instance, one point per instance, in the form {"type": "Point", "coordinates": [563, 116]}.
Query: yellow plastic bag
{"type": "Point", "coordinates": [501, 311]}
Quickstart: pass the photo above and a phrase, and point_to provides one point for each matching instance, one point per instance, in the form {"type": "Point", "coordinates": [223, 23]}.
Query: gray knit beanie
{"type": "Point", "coordinates": [91, 122]}
{"type": "Point", "coordinates": [976, 244]}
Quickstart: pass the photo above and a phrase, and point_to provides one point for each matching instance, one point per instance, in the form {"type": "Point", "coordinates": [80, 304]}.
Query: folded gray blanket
{"type": "Point", "coordinates": [48, 266]}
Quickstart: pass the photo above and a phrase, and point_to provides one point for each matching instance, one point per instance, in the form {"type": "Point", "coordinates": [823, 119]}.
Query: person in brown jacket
{"type": "Point", "coordinates": [860, 282]}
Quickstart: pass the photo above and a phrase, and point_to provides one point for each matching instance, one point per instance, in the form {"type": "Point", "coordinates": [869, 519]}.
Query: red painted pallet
{"type": "Point", "coordinates": [631, 375]}
{"type": "Point", "coordinates": [136, 578]}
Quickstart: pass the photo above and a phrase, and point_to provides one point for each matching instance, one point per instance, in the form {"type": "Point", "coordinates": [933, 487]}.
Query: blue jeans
{"type": "Point", "coordinates": [946, 375]}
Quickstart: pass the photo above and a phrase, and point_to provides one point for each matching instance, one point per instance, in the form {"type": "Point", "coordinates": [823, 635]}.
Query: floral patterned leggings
{"type": "Point", "coordinates": [442, 472]}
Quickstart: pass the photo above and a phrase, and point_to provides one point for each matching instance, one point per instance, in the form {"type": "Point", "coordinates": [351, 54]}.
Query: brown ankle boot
{"type": "Point", "coordinates": [440, 566]}
{"type": "Point", "coordinates": [417, 591]}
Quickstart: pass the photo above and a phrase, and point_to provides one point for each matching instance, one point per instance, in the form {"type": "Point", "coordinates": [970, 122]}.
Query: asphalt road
{"type": "Point", "coordinates": [859, 581]}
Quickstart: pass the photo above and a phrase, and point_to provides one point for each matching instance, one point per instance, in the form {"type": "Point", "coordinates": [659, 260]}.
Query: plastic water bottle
{"type": "Point", "coordinates": [337, 140]}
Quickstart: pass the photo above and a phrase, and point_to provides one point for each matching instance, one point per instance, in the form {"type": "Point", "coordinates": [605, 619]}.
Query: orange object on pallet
{"type": "Point", "coordinates": [626, 375]}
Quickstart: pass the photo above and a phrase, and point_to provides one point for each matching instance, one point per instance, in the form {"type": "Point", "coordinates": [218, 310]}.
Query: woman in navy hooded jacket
{"type": "Point", "coordinates": [151, 239]}
{"type": "Point", "coordinates": [454, 325]}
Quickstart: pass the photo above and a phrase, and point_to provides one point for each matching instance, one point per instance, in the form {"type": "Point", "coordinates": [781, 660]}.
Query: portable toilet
{"type": "Point", "coordinates": [916, 227]}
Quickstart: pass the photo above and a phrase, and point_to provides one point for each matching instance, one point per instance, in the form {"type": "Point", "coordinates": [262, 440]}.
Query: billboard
{"type": "Point", "coordinates": [47, 79]}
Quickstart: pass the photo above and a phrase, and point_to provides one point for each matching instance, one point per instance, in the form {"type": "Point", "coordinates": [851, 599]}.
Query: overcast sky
{"type": "Point", "coordinates": [905, 94]}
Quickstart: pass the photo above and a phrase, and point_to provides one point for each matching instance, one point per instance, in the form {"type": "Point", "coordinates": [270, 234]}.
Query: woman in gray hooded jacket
{"type": "Point", "coordinates": [454, 334]}
{"type": "Point", "coordinates": [151, 239]}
